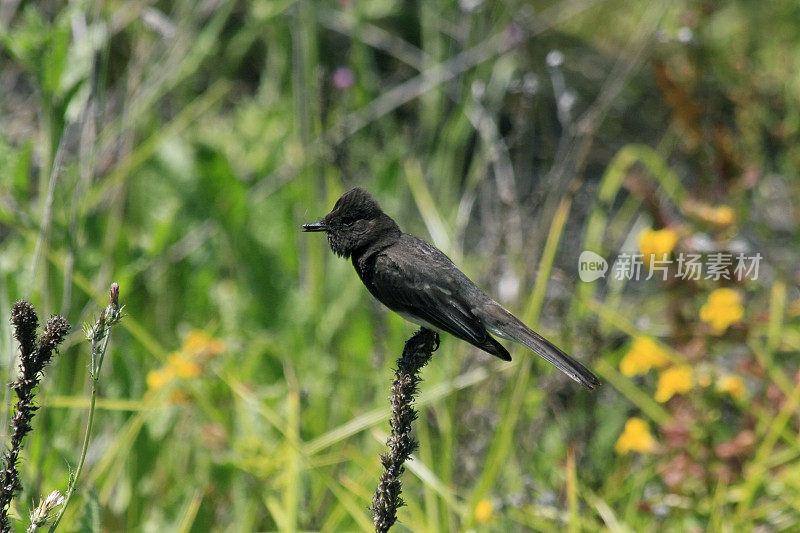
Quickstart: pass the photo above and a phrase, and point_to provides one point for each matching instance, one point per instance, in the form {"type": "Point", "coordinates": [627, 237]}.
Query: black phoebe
{"type": "Point", "coordinates": [420, 283]}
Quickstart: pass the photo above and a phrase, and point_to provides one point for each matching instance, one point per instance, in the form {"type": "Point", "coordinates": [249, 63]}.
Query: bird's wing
{"type": "Point", "coordinates": [422, 282]}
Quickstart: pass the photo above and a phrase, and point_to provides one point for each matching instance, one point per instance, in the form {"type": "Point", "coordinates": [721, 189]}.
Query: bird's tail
{"type": "Point", "coordinates": [503, 324]}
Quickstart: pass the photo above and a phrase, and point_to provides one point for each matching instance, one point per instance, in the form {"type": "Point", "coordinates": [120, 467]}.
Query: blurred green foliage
{"type": "Point", "coordinates": [176, 147]}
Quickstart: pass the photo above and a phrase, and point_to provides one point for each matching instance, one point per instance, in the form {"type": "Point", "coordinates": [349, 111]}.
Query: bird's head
{"type": "Point", "coordinates": [355, 223]}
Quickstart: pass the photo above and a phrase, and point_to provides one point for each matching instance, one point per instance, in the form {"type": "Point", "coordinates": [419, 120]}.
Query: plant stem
{"type": "Point", "coordinates": [416, 354]}
{"type": "Point", "coordinates": [73, 482]}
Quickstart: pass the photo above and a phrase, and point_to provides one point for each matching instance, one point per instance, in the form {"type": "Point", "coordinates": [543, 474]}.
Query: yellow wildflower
{"type": "Point", "coordinates": [635, 437]}
{"type": "Point", "coordinates": [195, 341]}
{"type": "Point", "coordinates": [643, 355]}
{"type": "Point", "coordinates": [483, 511]}
{"type": "Point", "coordinates": [183, 366]}
{"type": "Point", "coordinates": [723, 308]}
{"type": "Point", "coordinates": [185, 363]}
{"type": "Point", "coordinates": [672, 381]}
{"type": "Point", "coordinates": [733, 385]}
{"type": "Point", "coordinates": [657, 244]}
{"type": "Point", "coordinates": [157, 379]}
{"type": "Point", "coordinates": [198, 342]}
{"type": "Point", "coordinates": [721, 216]}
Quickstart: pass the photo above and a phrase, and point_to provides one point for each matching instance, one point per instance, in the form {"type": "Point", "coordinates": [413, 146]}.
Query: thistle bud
{"type": "Point", "coordinates": [114, 293]}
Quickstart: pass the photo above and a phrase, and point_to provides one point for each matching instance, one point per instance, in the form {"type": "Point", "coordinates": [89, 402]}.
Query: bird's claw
{"type": "Point", "coordinates": [424, 332]}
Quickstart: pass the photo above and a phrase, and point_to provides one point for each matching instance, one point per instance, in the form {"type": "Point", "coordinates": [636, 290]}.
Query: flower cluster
{"type": "Point", "coordinates": [186, 363]}
{"type": "Point", "coordinates": [723, 308]}
{"type": "Point", "coordinates": [733, 385]}
{"type": "Point", "coordinates": [484, 511]}
{"type": "Point", "coordinates": [635, 437]}
{"type": "Point", "coordinates": [643, 355]}
{"type": "Point", "coordinates": [681, 372]}
{"type": "Point", "coordinates": [675, 380]}
{"type": "Point", "coordinates": [656, 245]}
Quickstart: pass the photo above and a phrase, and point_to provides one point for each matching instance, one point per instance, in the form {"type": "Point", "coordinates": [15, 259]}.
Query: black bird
{"type": "Point", "coordinates": [420, 283]}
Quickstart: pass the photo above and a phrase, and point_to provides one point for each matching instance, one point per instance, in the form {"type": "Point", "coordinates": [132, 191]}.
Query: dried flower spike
{"type": "Point", "coordinates": [33, 358]}
{"type": "Point", "coordinates": [418, 351]}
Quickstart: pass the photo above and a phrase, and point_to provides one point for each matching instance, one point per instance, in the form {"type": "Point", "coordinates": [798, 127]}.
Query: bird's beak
{"type": "Point", "coordinates": [316, 226]}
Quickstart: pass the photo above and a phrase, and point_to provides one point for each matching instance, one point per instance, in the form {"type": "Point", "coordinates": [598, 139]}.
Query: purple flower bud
{"type": "Point", "coordinates": [343, 78]}
{"type": "Point", "coordinates": [514, 35]}
{"type": "Point", "coordinates": [114, 293]}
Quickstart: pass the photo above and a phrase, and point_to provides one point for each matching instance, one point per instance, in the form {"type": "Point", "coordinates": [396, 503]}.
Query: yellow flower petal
{"type": "Point", "coordinates": [483, 511]}
{"type": "Point", "coordinates": [672, 381]}
{"type": "Point", "coordinates": [199, 343]}
{"type": "Point", "coordinates": [183, 366]}
{"type": "Point", "coordinates": [643, 355]}
{"type": "Point", "coordinates": [635, 437]}
{"type": "Point", "coordinates": [657, 244]}
{"type": "Point", "coordinates": [722, 216]}
{"type": "Point", "coordinates": [733, 385]}
{"type": "Point", "coordinates": [195, 342]}
{"type": "Point", "coordinates": [723, 308]}
{"type": "Point", "coordinates": [157, 379]}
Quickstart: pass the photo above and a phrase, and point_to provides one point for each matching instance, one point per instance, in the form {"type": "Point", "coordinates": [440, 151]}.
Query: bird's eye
{"type": "Point", "coordinates": [348, 224]}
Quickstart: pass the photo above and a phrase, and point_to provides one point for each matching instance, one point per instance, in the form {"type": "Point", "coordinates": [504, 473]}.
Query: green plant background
{"type": "Point", "coordinates": [175, 147]}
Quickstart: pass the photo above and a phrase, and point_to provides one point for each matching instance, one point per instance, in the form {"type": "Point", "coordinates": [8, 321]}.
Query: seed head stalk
{"type": "Point", "coordinates": [98, 334]}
